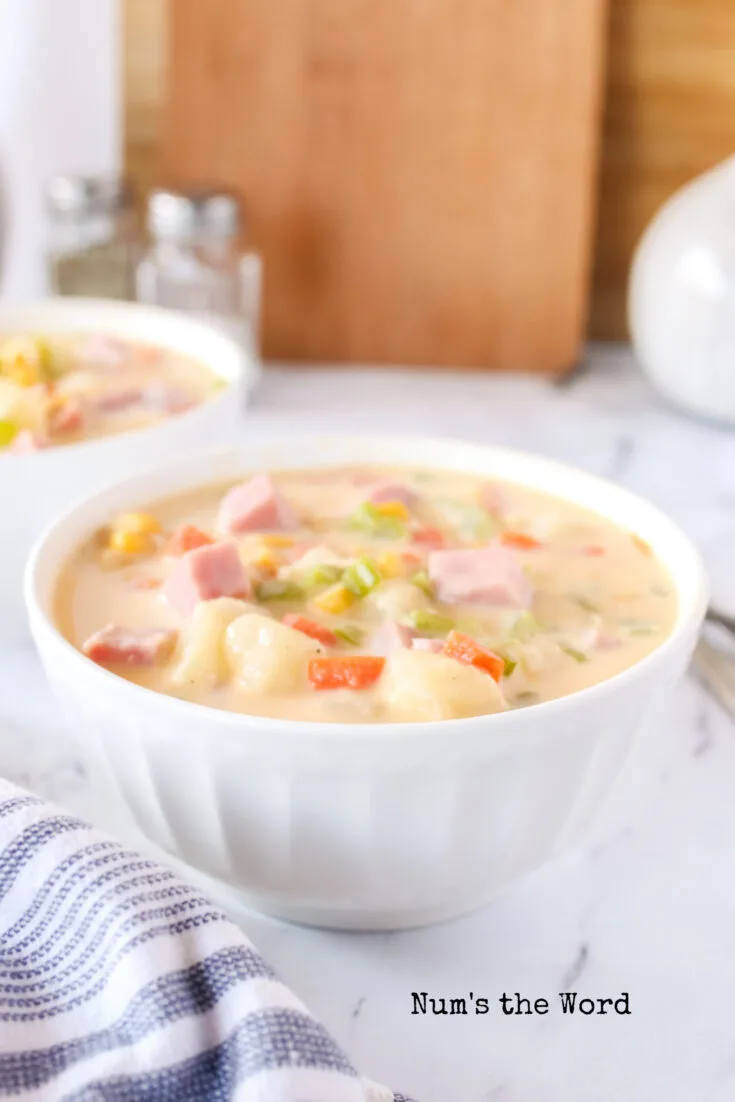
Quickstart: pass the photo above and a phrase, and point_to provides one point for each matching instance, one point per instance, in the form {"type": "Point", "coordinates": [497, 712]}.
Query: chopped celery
{"type": "Point", "coordinates": [522, 700]}
{"type": "Point", "coordinates": [423, 581]}
{"type": "Point", "coordinates": [278, 589]}
{"type": "Point", "coordinates": [8, 433]}
{"type": "Point", "coordinates": [368, 518]}
{"type": "Point", "coordinates": [472, 625]}
{"type": "Point", "coordinates": [432, 623]}
{"type": "Point", "coordinates": [631, 626]}
{"type": "Point", "coordinates": [471, 521]}
{"type": "Point", "coordinates": [508, 665]}
{"type": "Point", "coordinates": [578, 655]}
{"type": "Point", "coordinates": [322, 574]}
{"type": "Point", "coordinates": [350, 633]}
{"type": "Point", "coordinates": [362, 577]}
{"type": "Point", "coordinates": [525, 627]}
{"type": "Point", "coordinates": [584, 602]}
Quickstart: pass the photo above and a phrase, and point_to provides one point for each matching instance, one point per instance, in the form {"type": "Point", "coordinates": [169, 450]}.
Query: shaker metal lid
{"type": "Point", "coordinates": [75, 194]}
{"type": "Point", "coordinates": [194, 212]}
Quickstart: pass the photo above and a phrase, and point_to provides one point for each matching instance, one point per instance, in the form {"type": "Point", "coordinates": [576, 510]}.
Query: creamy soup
{"type": "Point", "coordinates": [365, 595]}
{"type": "Point", "coordinates": [72, 387]}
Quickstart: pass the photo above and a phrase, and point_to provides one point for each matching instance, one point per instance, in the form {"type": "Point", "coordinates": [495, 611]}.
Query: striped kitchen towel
{"type": "Point", "coordinates": [120, 983]}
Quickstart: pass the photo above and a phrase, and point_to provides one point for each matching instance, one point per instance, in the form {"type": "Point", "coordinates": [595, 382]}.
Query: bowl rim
{"type": "Point", "coordinates": [245, 376]}
{"type": "Point", "coordinates": [683, 633]}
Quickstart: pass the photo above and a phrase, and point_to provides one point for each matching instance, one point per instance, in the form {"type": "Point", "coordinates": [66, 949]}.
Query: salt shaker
{"type": "Point", "coordinates": [194, 262]}
{"type": "Point", "coordinates": [93, 247]}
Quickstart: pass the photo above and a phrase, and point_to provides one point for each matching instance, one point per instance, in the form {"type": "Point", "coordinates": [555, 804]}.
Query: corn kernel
{"type": "Point", "coordinates": [142, 524]}
{"type": "Point", "coordinates": [336, 599]}
{"type": "Point", "coordinates": [130, 543]}
{"type": "Point", "coordinates": [277, 540]}
{"type": "Point", "coordinates": [390, 565]}
{"type": "Point", "coordinates": [265, 560]}
{"type": "Point", "coordinates": [24, 360]}
{"type": "Point", "coordinates": [395, 509]}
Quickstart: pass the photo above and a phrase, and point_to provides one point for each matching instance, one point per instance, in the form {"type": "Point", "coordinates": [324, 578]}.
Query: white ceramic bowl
{"type": "Point", "coordinates": [35, 487]}
{"type": "Point", "coordinates": [379, 826]}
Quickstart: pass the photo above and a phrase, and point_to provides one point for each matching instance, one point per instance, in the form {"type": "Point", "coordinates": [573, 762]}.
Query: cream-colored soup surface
{"type": "Point", "coordinates": [365, 595]}
{"type": "Point", "coordinates": [78, 386]}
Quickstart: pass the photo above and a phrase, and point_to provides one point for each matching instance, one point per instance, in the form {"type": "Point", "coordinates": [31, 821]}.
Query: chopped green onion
{"type": "Point", "coordinates": [578, 655]}
{"type": "Point", "coordinates": [351, 634]}
{"type": "Point", "coordinates": [525, 627]}
{"type": "Point", "coordinates": [522, 700]}
{"type": "Point", "coordinates": [8, 433]}
{"type": "Point", "coordinates": [433, 623]}
{"type": "Point", "coordinates": [659, 591]}
{"type": "Point", "coordinates": [644, 629]}
{"type": "Point", "coordinates": [508, 665]}
{"type": "Point", "coordinates": [322, 574]}
{"type": "Point", "coordinates": [424, 583]}
{"type": "Point", "coordinates": [478, 524]}
{"type": "Point", "coordinates": [362, 577]}
{"type": "Point", "coordinates": [368, 518]}
{"type": "Point", "coordinates": [584, 602]}
{"type": "Point", "coordinates": [278, 589]}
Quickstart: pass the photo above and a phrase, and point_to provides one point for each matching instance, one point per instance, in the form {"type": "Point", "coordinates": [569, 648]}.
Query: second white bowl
{"type": "Point", "coordinates": [351, 825]}
{"type": "Point", "coordinates": [35, 487]}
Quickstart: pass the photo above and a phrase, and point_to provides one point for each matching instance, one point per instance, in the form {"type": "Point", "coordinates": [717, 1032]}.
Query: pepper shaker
{"type": "Point", "coordinates": [93, 248]}
{"type": "Point", "coordinates": [194, 262]}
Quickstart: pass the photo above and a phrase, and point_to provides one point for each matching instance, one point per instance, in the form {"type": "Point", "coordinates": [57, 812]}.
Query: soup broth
{"type": "Point", "coordinates": [365, 595]}
{"type": "Point", "coordinates": [81, 386]}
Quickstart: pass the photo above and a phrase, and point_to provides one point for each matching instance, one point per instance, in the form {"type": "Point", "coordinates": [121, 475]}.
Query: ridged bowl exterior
{"type": "Point", "coordinates": [364, 826]}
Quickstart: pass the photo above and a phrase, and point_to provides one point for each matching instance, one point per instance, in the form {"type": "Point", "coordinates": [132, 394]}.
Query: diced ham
{"type": "Point", "coordinates": [389, 637]}
{"type": "Point", "coordinates": [434, 646]}
{"type": "Point", "coordinates": [392, 491]}
{"type": "Point", "coordinates": [254, 506]}
{"type": "Point", "coordinates": [489, 575]}
{"type": "Point", "coordinates": [167, 399]}
{"type": "Point", "coordinates": [116, 401]}
{"type": "Point", "coordinates": [492, 498]}
{"type": "Point", "coordinates": [69, 417]}
{"type": "Point", "coordinates": [100, 350]}
{"type": "Point", "coordinates": [115, 645]}
{"type": "Point", "coordinates": [596, 638]}
{"type": "Point", "coordinates": [206, 573]}
{"type": "Point", "coordinates": [26, 442]}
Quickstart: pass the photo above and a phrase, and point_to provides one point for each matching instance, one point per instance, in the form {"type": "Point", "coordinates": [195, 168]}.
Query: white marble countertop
{"type": "Point", "coordinates": [649, 906]}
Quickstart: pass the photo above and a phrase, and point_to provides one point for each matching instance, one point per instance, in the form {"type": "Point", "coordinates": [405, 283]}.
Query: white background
{"type": "Point", "coordinates": [59, 112]}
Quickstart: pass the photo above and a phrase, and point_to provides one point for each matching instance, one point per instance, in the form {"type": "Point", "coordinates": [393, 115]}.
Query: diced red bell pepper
{"type": "Point", "coordinates": [520, 541]}
{"type": "Point", "coordinates": [464, 649]}
{"type": "Point", "coordinates": [311, 628]}
{"type": "Point", "coordinates": [429, 537]}
{"type": "Point", "coordinates": [187, 538]}
{"type": "Point", "coordinates": [358, 671]}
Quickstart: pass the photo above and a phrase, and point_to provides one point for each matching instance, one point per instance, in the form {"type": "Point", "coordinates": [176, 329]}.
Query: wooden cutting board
{"type": "Point", "coordinates": [419, 174]}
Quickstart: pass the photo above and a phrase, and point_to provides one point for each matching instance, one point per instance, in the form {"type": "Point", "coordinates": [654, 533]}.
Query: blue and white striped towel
{"type": "Point", "coordinates": [120, 983]}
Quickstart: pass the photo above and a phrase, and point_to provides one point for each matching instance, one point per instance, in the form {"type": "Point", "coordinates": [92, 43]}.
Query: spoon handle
{"type": "Point", "coordinates": [721, 618]}
{"type": "Point", "coordinates": [717, 671]}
